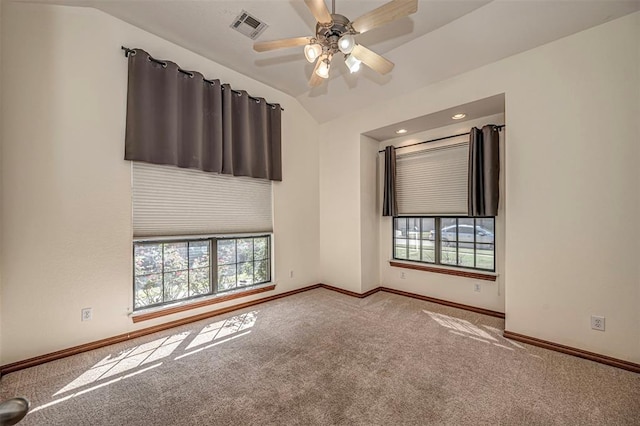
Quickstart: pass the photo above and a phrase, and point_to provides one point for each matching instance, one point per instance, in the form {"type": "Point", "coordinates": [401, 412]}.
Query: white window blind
{"type": "Point", "coordinates": [433, 181]}
{"type": "Point", "coordinates": [170, 201]}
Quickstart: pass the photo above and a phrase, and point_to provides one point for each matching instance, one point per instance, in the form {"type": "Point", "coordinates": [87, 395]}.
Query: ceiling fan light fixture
{"type": "Point", "coordinates": [346, 43]}
{"type": "Point", "coordinates": [352, 63]}
{"type": "Point", "coordinates": [312, 51]}
{"type": "Point", "coordinates": [336, 33]}
{"type": "Point", "coordinates": [323, 68]}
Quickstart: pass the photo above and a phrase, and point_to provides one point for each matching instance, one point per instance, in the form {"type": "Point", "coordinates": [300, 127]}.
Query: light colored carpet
{"type": "Point", "coordinates": [323, 358]}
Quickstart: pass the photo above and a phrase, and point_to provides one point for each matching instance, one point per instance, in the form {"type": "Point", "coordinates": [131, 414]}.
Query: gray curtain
{"type": "Point", "coordinates": [251, 133]}
{"type": "Point", "coordinates": [390, 202]}
{"type": "Point", "coordinates": [177, 117]}
{"type": "Point", "coordinates": [484, 171]}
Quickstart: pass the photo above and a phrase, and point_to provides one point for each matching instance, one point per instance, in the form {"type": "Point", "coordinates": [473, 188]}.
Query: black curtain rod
{"type": "Point", "coordinates": [128, 52]}
{"type": "Point", "coordinates": [440, 139]}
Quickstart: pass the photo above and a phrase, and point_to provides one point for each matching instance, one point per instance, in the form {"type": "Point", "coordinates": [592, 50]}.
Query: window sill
{"type": "Point", "coordinates": [148, 314]}
{"type": "Point", "coordinates": [487, 276]}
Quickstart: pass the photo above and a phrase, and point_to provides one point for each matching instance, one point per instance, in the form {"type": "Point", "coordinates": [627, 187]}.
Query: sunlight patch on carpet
{"type": "Point", "coordinates": [127, 360]}
{"type": "Point", "coordinates": [101, 385]}
{"type": "Point", "coordinates": [222, 329]}
{"type": "Point", "coordinates": [460, 325]}
{"type": "Point", "coordinates": [212, 345]}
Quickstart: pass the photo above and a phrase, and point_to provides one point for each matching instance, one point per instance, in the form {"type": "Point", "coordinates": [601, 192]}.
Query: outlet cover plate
{"type": "Point", "coordinates": [86, 314]}
{"type": "Point", "coordinates": [597, 322]}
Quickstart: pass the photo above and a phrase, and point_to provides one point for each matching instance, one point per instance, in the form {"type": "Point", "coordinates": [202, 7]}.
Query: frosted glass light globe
{"type": "Point", "coordinates": [312, 51]}
{"type": "Point", "coordinates": [346, 43]}
{"type": "Point", "coordinates": [352, 63]}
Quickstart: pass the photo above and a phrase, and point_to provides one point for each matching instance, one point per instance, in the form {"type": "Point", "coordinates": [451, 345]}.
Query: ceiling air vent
{"type": "Point", "coordinates": [248, 25]}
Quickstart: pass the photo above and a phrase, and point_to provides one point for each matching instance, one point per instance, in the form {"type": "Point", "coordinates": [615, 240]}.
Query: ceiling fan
{"type": "Point", "coordinates": [335, 33]}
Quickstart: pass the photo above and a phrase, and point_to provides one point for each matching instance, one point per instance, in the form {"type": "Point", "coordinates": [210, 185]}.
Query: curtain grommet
{"type": "Point", "coordinates": [187, 73]}
{"type": "Point", "coordinates": [150, 59]}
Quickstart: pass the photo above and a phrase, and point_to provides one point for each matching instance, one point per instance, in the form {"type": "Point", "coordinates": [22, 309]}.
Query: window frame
{"type": "Point", "coordinates": [438, 241]}
{"type": "Point", "coordinates": [213, 266]}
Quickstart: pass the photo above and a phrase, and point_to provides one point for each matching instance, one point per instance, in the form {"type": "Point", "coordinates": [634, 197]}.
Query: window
{"type": "Point", "coordinates": [453, 241]}
{"type": "Point", "coordinates": [243, 262]}
{"type": "Point", "coordinates": [169, 271]}
{"type": "Point", "coordinates": [169, 203]}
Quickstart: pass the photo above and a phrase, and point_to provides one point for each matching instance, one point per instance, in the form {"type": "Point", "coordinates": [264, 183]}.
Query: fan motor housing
{"type": "Point", "coordinates": [339, 26]}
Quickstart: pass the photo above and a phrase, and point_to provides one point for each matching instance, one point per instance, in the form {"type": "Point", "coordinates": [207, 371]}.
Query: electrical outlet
{"type": "Point", "coordinates": [597, 323]}
{"type": "Point", "coordinates": [86, 314]}
{"type": "Point", "coordinates": [476, 287]}
{"type": "Point", "coordinates": [402, 276]}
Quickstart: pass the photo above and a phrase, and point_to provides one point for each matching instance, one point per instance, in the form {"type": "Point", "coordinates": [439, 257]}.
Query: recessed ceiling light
{"type": "Point", "coordinates": [401, 131]}
{"type": "Point", "coordinates": [459, 116]}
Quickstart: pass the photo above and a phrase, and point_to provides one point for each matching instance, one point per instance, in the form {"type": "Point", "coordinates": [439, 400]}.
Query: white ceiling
{"type": "Point", "coordinates": [443, 39]}
{"type": "Point", "coordinates": [472, 110]}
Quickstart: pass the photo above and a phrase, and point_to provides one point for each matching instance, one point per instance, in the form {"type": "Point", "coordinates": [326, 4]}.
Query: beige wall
{"type": "Point", "coordinates": [340, 203]}
{"type": "Point", "coordinates": [572, 181]}
{"type": "Point", "coordinates": [369, 214]}
{"type": "Point", "coordinates": [66, 198]}
{"type": "Point", "coordinates": [446, 287]}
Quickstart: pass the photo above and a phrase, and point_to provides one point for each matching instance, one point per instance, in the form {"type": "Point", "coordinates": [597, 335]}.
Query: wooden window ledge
{"type": "Point", "coordinates": [457, 272]}
{"type": "Point", "coordinates": [186, 306]}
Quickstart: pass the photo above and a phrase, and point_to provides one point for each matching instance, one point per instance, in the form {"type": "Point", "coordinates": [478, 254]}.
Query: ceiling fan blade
{"type": "Point", "coordinates": [386, 13]}
{"type": "Point", "coordinates": [372, 59]}
{"type": "Point", "coordinates": [319, 10]}
{"type": "Point", "coordinates": [315, 79]}
{"type": "Point", "coordinates": [263, 46]}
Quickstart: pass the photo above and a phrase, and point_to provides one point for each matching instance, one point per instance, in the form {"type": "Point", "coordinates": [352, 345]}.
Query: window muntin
{"type": "Point", "coordinates": [170, 271]}
{"type": "Point", "coordinates": [461, 241]}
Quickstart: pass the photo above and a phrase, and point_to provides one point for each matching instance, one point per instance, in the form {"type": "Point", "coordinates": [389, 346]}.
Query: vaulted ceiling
{"type": "Point", "coordinates": [443, 39]}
